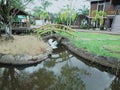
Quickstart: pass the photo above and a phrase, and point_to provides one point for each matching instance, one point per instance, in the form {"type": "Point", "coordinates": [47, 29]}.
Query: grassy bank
{"type": "Point", "coordinates": [100, 44]}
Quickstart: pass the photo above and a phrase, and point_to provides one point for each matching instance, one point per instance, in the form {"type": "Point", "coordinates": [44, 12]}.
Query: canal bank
{"type": "Point", "coordinates": [107, 62]}
{"type": "Point", "coordinates": [23, 59]}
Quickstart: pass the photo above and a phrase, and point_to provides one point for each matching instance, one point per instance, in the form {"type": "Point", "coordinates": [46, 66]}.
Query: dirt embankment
{"type": "Point", "coordinates": [23, 50]}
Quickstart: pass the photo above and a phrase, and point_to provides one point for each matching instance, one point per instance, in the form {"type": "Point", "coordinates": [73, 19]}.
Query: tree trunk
{"type": "Point", "coordinates": [8, 31]}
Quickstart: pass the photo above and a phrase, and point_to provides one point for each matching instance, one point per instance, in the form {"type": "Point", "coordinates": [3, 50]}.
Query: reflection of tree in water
{"type": "Point", "coordinates": [57, 57]}
{"type": "Point", "coordinates": [44, 79]}
{"type": "Point", "coordinates": [68, 80]}
{"type": "Point", "coordinates": [41, 79]}
{"type": "Point", "coordinates": [115, 84]}
{"type": "Point", "coordinates": [9, 80]}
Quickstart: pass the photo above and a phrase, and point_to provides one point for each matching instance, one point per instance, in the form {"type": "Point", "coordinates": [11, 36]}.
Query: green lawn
{"type": "Point", "coordinates": [100, 44]}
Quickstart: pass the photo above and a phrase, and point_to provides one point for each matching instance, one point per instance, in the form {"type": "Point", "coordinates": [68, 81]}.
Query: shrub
{"type": "Point", "coordinates": [84, 27]}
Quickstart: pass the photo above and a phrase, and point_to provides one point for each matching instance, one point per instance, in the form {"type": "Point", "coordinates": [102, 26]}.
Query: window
{"type": "Point", "coordinates": [100, 7]}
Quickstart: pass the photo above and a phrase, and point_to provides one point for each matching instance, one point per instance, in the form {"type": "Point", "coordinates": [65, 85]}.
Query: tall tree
{"type": "Point", "coordinates": [41, 11]}
{"type": "Point", "coordinates": [66, 15]}
{"type": "Point", "coordinates": [99, 16]}
{"type": "Point", "coordinates": [44, 13]}
{"type": "Point", "coordinates": [37, 10]}
{"type": "Point", "coordinates": [45, 4]}
{"type": "Point", "coordinates": [6, 15]}
{"type": "Point", "coordinates": [83, 10]}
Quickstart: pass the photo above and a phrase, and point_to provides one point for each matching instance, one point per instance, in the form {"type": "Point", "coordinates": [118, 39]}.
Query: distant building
{"type": "Point", "coordinates": [20, 20]}
{"type": "Point", "coordinates": [112, 9]}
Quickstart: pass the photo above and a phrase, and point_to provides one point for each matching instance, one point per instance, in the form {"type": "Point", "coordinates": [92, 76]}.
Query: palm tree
{"type": "Point", "coordinates": [6, 15]}
{"type": "Point", "coordinates": [99, 15]}
{"type": "Point", "coordinates": [44, 14]}
{"type": "Point", "coordinates": [67, 15]}
{"type": "Point", "coordinates": [84, 10]}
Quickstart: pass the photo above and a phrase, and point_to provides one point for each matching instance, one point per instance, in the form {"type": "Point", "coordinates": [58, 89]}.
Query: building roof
{"type": "Point", "coordinates": [100, 0]}
{"type": "Point", "coordinates": [16, 11]}
{"type": "Point", "coordinates": [95, 0]}
{"type": "Point", "coordinates": [114, 2]}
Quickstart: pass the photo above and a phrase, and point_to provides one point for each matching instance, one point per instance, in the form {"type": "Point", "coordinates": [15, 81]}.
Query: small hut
{"type": "Point", "coordinates": [20, 22]}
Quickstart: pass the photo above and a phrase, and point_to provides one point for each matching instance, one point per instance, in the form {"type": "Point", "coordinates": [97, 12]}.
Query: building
{"type": "Point", "coordinates": [20, 22]}
{"type": "Point", "coordinates": [112, 9]}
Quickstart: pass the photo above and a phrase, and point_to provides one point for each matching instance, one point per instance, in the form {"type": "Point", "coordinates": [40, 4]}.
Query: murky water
{"type": "Point", "coordinates": [62, 71]}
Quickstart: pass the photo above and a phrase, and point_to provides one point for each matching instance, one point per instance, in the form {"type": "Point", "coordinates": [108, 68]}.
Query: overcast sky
{"type": "Point", "coordinates": [57, 5]}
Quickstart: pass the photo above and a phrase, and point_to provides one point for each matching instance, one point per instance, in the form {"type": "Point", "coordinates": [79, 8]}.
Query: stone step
{"type": "Point", "coordinates": [116, 23]}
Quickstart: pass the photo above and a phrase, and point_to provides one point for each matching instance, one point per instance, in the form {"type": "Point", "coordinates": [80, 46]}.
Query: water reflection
{"type": "Point", "coordinates": [62, 71]}
{"type": "Point", "coordinates": [9, 79]}
{"type": "Point", "coordinates": [68, 79]}
{"type": "Point", "coordinates": [59, 55]}
{"type": "Point", "coordinates": [115, 84]}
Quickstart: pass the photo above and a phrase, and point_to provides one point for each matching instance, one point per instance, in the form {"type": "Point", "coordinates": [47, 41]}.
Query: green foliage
{"type": "Point", "coordinates": [6, 16]}
{"type": "Point", "coordinates": [101, 27]}
{"type": "Point", "coordinates": [21, 4]}
{"type": "Point", "coordinates": [37, 11]}
{"type": "Point", "coordinates": [41, 10]}
{"type": "Point", "coordinates": [45, 15]}
{"type": "Point", "coordinates": [84, 10]}
{"type": "Point", "coordinates": [7, 5]}
{"type": "Point", "coordinates": [45, 4]}
{"type": "Point", "coordinates": [57, 19]}
{"type": "Point", "coordinates": [99, 16]}
{"type": "Point", "coordinates": [84, 24]}
{"type": "Point", "coordinates": [66, 16]}
{"type": "Point", "coordinates": [53, 28]}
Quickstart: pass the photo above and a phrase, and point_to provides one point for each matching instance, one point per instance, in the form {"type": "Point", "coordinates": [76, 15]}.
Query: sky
{"type": "Point", "coordinates": [57, 5]}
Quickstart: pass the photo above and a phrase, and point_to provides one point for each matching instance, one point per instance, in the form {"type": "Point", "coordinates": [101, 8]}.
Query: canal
{"type": "Point", "coordinates": [61, 71]}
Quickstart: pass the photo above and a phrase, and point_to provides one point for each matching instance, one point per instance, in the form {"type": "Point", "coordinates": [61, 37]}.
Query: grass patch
{"type": "Point", "coordinates": [100, 44]}
{"type": "Point", "coordinates": [27, 44]}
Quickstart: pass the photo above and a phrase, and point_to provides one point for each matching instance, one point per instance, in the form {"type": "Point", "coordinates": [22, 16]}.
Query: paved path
{"type": "Point", "coordinates": [98, 31]}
